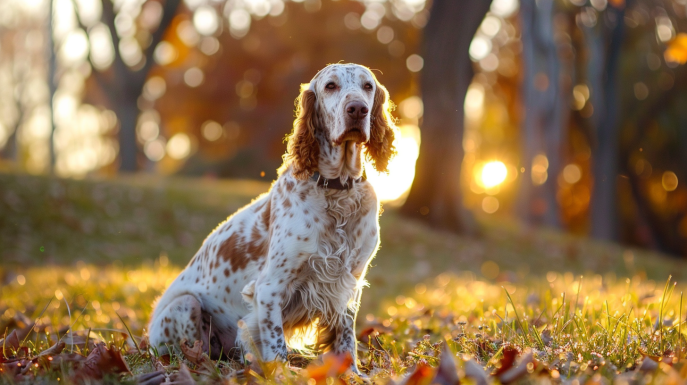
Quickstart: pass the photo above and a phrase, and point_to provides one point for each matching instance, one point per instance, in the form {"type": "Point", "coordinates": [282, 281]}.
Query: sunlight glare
{"type": "Point", "coordinates": [390, 187]}
{"type": "Point", "coordinates": [179, 146]}
{"type": "Point", "coordinates": [75, 48]}
{"type": "Point", "coordinates": [493, 174]}
{"type": "Point", "coordinates": [205, 20]}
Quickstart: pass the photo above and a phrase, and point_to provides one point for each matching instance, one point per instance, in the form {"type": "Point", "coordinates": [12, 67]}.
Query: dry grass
{"type": "Point", "coordinates": [515, 290]}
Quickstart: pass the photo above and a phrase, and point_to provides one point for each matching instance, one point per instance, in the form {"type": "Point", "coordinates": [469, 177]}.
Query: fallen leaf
{"type": "Point", "coordinates": [195, 353]}
{"type": "Point", "coordinates": [518, 371]}
{"type": "Point", "coordinates": [331, 366]}
{"type": "Point", "coordinates": [509, 355]}
{"type": "Point", "coordinates": [103, 361]}
{"type": "Point", "coordinates": [422, 375]}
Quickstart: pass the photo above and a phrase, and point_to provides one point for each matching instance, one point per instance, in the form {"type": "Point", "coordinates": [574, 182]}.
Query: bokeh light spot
{"type": "Point", "coordinates": [669, 181]}
{"type": "Point", "coordinates": [572, 173]}
{"type": "Point", "coordinates": [493, 174]}
{"type": "Point", "coordinates": [415, 63]}
{"type": "Point", "coordinates": [490, 204]}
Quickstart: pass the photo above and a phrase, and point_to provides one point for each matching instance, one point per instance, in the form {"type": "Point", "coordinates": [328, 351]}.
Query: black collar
{"type": "Point", "coordinates": [336, 182]}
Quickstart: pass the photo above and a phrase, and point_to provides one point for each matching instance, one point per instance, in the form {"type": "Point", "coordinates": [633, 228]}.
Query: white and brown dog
{"type": "Point", "coordinates": [296, 257]}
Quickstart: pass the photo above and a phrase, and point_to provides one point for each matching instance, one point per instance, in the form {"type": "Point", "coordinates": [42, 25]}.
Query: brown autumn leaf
{"type": "Point", "coordinates": [509, 355]}
{"type": "Point", "coordinates": [676, 50]}
{"type": "Point", "coordinates": [422, 375]}
{"type": "Point", "coordinates": [195, 353]}
{"type": "Point", "coordinates": [518, 371]}
{"type": "Point", "coordinates": [102, 361]}
{"type": "Point", "coordinates": [331, 366]}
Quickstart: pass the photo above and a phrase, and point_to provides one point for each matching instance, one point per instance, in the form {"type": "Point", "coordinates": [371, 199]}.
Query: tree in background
{"type": "Point", "coordinates": [122, 83]}
{"type": "Point", "coordinates": [545, 105]}
{"type": "Point", "coordinates": [604, 42]}
{"type": "Point", "coordinates": [436, 194]}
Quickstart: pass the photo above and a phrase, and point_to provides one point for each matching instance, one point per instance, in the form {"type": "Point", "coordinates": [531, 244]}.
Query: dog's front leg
{"type": "Point", "coordinates": [269, 299]}
{"type": "Point", "coordinates": [346, 341]}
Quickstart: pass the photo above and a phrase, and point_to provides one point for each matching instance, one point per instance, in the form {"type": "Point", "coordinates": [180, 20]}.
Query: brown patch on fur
{"type": "Point", "coordinates": [237, 253]}
{"type": "Point", "coordinates": [302, 149]}
{"type": "Point", "coordinates": [287, 203]}
{"type": "Point", "coordinates": [258, 245]}
{"type": "Point", "coordinates": [380, 148]}
{"type": "Point", "coordinates": [266, 213]}
{"type": "Point", "coordinates": [229, 248]}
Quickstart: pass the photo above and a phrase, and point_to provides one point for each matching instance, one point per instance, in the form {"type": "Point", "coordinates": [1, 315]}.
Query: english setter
{"type": "Point", "coordinates": [295, 258]}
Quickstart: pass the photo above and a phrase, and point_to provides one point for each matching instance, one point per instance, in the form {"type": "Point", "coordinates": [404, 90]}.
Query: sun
{"type": "Point", "coordinates": [493, 174]}
{"type": "Point", "coordinates": [392, 187]}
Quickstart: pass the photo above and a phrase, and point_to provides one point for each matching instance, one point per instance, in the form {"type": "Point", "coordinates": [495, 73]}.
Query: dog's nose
{"type": "Point", "coordinates": [356, 110]}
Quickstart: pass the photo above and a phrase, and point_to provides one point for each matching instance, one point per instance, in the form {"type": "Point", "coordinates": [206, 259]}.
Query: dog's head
{"type": "Point", "coordinates": [345, 102]}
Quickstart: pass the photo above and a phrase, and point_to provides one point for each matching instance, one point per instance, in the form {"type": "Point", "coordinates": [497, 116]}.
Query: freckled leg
{"type": "Point", "coordinates": [346, 341]}
{"type": "Point", "coordinates": [180, 319]}
{"type": "Point", "coordinates": [269, 314]}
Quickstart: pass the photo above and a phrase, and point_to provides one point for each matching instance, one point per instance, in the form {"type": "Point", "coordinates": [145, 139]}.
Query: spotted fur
{"type": "Point", "coordinates": [296, 257]}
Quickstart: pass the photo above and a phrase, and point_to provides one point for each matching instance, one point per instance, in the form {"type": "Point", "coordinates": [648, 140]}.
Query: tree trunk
{"type": "Point", "coordinates": [545, 105]}
{"type": "Point", "coordinates": [604, 42]}
{"type": "Point", "coordinates": [127, 111]}
{"type": "Point", "coordinates": [124, 85]}
{"type": "Point", "coordinates": [435, 196]}
{"type": "Point", "coordinates": [52, 84]}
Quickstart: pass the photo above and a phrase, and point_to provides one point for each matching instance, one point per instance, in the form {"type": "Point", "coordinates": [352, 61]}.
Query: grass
{"type": "Point", "coordinates": [587, 311]}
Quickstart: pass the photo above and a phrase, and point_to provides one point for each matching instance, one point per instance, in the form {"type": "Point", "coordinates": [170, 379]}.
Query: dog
{"type": "Point", "coordinates": [295, 258]}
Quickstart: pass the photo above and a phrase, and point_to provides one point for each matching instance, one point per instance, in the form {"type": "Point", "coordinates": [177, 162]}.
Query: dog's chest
{"type": "Point", "coordinates": [346, 229]}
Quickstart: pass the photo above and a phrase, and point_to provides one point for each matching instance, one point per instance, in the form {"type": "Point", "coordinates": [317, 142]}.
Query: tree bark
{"type": "Point", "coordinates": [52, 84]}
{"type": "Point", "coordinates": [545, 104]}
{"type": "Point", "coordinates": [435, 195]}
{"type": "Point", "coordinates": [604, 42]}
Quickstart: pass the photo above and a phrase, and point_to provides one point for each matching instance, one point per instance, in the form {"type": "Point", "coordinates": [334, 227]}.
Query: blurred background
{"type": "Point", "coordinates": [563, 114]}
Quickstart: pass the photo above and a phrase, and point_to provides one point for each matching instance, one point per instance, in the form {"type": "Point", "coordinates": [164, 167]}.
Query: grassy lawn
{"type": "Point", "coordinates": [86, 259]}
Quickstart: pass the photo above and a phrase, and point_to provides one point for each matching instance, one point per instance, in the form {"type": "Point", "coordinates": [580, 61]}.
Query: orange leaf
{"type": "Point", "coordinates": [423, 375]}
{"type": "Point", "coordinates": [677, 49]}
{"type": "Point", "coordinates": [332, 366]}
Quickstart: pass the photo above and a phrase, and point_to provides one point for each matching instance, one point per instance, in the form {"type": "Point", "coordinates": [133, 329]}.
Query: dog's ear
{"type": "Point", "coordinates": [302, 149]}
{"type": "Point", "coordinates": [380, 148]}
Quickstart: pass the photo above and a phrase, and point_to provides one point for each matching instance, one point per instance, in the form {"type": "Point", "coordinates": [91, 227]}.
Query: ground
{"type": "Point", "coordinates": [86, 259]}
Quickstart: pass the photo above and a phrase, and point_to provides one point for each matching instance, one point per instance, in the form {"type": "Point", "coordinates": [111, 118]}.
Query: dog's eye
{"type": "Point", "coordinates": [331, 86]}
{"type": "Point", "coordinates": [368, 86]}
